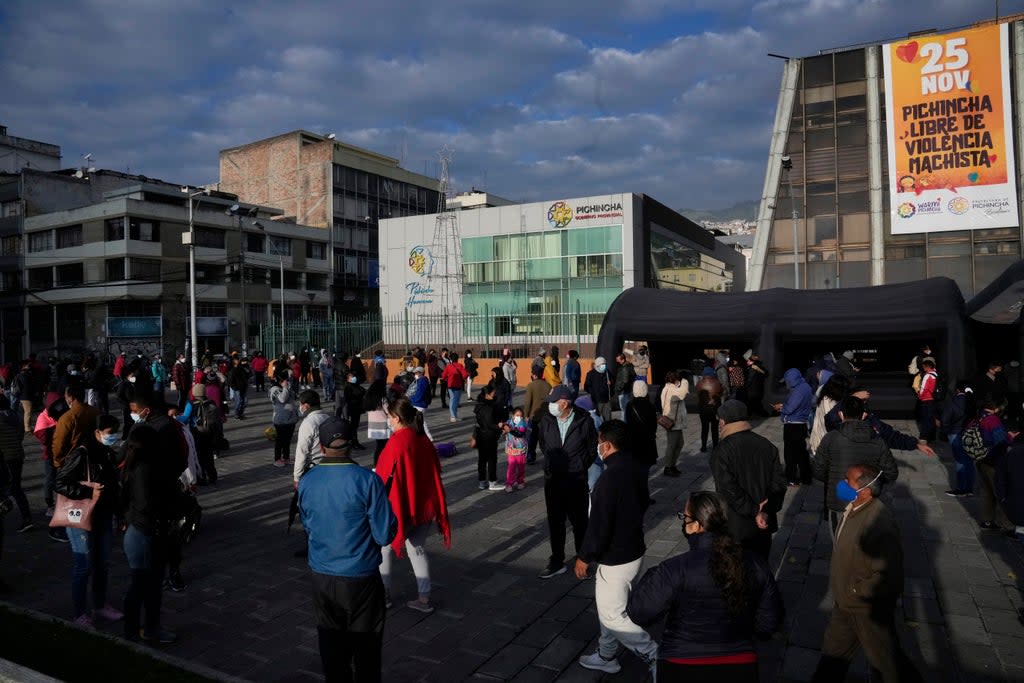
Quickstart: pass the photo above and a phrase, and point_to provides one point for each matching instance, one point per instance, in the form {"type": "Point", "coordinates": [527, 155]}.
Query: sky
{"type": "Point", "coordinates": [536, 99]}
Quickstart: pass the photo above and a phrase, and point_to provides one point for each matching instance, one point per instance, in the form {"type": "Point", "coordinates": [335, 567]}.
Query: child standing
{"type": "Point", "coordinates": [517, 437]}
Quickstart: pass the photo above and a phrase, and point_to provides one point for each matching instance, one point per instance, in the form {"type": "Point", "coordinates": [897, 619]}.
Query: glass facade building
{"type": "Point", "coordinates": [834, 202]}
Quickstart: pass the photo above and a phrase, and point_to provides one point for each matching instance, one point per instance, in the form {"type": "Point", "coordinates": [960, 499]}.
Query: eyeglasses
{"type": "Point", "coordinates": [685, 517]}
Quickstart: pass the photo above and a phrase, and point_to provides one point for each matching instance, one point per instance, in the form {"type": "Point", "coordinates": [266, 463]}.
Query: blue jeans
{"type": "Point", "coordinates": [241, 399]}
{"type": "Point", "coordinates": [90, 554]}
{"type": "Point", "coordinates": [454, 398]}
{"type": "Point", "coordinates": [966, 472]}
{"type": "Point", "coordinates": [595, 471]}
{"type": "Point", "coordinates": [623, 401]}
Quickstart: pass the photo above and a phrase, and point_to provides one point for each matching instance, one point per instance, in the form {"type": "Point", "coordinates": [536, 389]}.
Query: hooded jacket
{"type": "Point", "coordinates": [854, 443]}
{"type": "Point", "coordinates": [797, 408]}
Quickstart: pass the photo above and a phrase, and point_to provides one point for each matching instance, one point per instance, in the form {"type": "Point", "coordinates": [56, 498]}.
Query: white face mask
{"type": "Point", "coordinates": [601, 368]}
{"type": "Point", "coordinates": [517, 420]}
{"type": "Point", "coordinates": [554, 409]}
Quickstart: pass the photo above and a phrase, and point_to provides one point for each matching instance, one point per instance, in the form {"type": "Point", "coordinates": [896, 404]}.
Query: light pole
{"type": "Point", "coordinates": [787, 166]}
{"type": "Point", "coordinates": [280, 256]}
{"type": "Point", "coordinates": [190, 240]}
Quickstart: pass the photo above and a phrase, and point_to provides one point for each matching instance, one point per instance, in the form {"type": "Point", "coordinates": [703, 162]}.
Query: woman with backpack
{"type": "Point", "coordinates": [958, 412]}
{"type": "Point", "coordinates": [203, 418]}
{"type": "Point", "coordinates": [994, 435]}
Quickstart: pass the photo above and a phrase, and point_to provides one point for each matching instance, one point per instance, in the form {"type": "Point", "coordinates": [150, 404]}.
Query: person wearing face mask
{"type": "Point", "coordinates": [569, 441]}
{"type": "Point", "coordinates": [351, 408]}
{"type": "Point", "coordinates": [673, 419]}
{"type": "Point", "coordinates": [489, 425]}
{"type": "Point", "coordinates": [615, 542]}
{"type": "Point", "coordinates": [598, 385]}
{"type": "Point", "coordinates": [307, 448]}
{"type": "Point", "coordinates": [411, 472]}
{"type": "Point", "coordinates": [285, 416]}
{"type": "Point", "coordinates": [854, 443]}
{"type": "Point", "coordinates": [517, 439]}
{"type": "Point", "coordinates": [866, 580]}
{"type": "Point", "coordinates": [471, 372]}
{"type": "Point", "coordinates": [737, 596]}
{"type": "Point", "coordinates": [454, 378]}
{"type": "Point", "coordinates": [90, 471]}
{"type": "Point", "coordinates": [572, 373]}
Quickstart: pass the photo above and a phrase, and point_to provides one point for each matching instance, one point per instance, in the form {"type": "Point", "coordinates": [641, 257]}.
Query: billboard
{"type": "Point", "coordinates": [151, 326]}
{"type": "Point", "coordinates": [950, 136]}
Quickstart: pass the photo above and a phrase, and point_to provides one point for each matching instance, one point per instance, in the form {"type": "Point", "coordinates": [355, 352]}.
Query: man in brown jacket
{"type": "Point", "coordinates": [535, 404]}
{"type": "Point", "coordinates": [74, 425]}
{"type": "Point", "coordinates": [866, 579]}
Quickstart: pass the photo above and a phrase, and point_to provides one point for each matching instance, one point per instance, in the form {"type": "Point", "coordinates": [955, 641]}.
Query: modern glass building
{"type": "Point", "coordinates": [826, 218]}
{"type": "Point", "coordinates": [550, 267]}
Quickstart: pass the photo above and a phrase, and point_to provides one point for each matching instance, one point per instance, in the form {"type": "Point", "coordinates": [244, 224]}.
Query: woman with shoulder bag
{"type": "Point", "coordinates": [90, 472]}
{"type": "Point", "coordinates": [285, 416]}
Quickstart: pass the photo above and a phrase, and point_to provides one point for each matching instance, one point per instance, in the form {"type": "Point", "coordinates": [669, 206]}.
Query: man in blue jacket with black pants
{"type": "Point", "coordinates": [348, 518]}
{"type": "Point", "coordinates": [796, 413]}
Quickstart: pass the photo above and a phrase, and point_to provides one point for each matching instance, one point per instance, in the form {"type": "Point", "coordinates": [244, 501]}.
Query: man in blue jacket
{"type": "Point", "coordinates": [796, 412]}
{"type": "Point", "coordinates": [348, 518]}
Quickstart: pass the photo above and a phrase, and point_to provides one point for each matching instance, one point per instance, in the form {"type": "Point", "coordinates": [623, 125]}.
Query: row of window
{"type": "Point", "coordinates": [350, 180]}
{"type": "Point", "coordinates": [602, 265]}
{"type": "Point", "coordinates": [540, 245]}
{"type": "Point", "coordinates": [11, 207]}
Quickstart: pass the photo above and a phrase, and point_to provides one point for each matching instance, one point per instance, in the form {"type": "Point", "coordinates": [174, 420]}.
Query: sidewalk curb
{"type": "Point", "coordinates": [191, 667]}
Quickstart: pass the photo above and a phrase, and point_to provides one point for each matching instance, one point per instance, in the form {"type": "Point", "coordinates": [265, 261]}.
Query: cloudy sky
{"type": "Point", "coordinates": [539, 99]}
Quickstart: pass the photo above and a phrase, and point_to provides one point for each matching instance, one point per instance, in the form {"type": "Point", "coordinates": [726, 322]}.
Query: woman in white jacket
{"type": "Point", "coordinates": [673, 407]}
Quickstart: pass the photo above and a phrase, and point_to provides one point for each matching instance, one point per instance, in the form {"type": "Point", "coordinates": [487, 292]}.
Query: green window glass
{"type": "Point", "coordinates": [544, 268]}
{"type": "Point", "coordinates": [477, 249]}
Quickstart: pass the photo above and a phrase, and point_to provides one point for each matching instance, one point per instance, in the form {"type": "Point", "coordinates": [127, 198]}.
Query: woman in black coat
{"type": "Point", "coordinates": [642, 424]}
{"type": "Point", "coordinates": [489, 418]}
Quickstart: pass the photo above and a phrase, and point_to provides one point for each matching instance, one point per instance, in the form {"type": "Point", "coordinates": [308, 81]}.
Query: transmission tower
{"type": "Point", "coordinates": [446, 276]}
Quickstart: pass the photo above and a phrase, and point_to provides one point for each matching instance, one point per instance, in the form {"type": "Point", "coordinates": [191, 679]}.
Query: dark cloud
{"type": "Point", "coordinates": [538, 99]}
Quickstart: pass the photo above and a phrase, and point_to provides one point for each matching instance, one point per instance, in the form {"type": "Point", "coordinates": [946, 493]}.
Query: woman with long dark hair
{"type": "Point", "coordinates": [411, 472]}
{"type": "Point", "coordinates": [833, 390]}
{"type": "Point", "coordinates": [717, 597]}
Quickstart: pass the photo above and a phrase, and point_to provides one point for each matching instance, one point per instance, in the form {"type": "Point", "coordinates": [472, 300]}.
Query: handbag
{"type": "Point", "coordinates": [666, 422]}
{"type": "Point", "coordinates": [74, 513]}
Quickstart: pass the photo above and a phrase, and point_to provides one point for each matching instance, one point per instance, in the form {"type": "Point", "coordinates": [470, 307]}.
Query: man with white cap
{"type": "Point", "coordinates": [599, 385]}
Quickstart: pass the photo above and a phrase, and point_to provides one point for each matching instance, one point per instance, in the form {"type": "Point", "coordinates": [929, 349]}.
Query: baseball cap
{"type": "Point", "coordinates": [732, 411]}
{"type": "Point", "coordinates": [558, 393]}
{"type": "Point", "coordinates": [332, 433]}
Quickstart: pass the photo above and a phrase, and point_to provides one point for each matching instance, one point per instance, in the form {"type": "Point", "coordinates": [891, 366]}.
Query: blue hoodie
{"type": "Point", "coordinates": [797, 407]}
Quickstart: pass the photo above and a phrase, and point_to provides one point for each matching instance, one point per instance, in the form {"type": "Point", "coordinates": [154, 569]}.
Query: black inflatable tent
{"type": "Point", "coordinates": [773, 320]}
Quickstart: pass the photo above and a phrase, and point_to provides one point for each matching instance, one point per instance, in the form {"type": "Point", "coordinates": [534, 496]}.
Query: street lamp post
{"type": "Point", "coordinates": [190, 240]}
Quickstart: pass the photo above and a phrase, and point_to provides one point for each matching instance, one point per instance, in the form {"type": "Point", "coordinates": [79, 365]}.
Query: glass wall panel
{"type": "Point", "coordinates": [989, 266]}
{"type": "Point", "coordinates": [477, 249]}
{"type": "Point", "coordinates": [823, 230]}
{"type": "Point", "coordinates": [779, 276]}
{"type": "Point", "coordinates": [855, 228]}
{"type": "Point", "coordinates": [855, 273]}
{"type": "Point", "coordinates": [957, 268]}
{"type": "Point", "coordinates": [822, 274]}
{"type": "Point", "coordinates": [906, 270]}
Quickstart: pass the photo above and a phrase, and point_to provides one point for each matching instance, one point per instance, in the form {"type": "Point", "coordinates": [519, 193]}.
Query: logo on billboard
{"type": "Point", "coordinates": [559, 215]}
{"type": "Point", "coordinates": [959, 205]}
{"type": "Point", "coordinates": [421, 261]}
{"type": "Point", "coordinates": [906, 210]}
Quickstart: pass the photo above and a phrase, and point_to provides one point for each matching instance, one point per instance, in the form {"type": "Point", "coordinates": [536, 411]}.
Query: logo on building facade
{"type": "Point", "coordinates": [959, 205]}
{"type": "Point", "coordinates": [559, 215]}
{"type": "Point", "coordinates": [906, 210]}
{"type": "Point", "coordinates": [421, 261]}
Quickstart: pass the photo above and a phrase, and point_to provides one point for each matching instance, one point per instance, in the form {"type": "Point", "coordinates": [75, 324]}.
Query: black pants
{"type": "Point", "coordinates": [798, 462]}
{"type": "Point", "coordinates": [350, 624]}
{"type": "Point", "coordinates": [433, 386]}
{"type": "Point", "coordinates": [14, 468]}
{"type": "Point", "coordinates": [565, 498]}
{"type": "Point", "coordinates": [126, 421]}
{"type": "Point", "coordinates": [381, 443]}
{"type": "Point", "coordinates": [531, 442]}
{"type": "Point", "coordinates": [204, 452]}
{"type": "Point", "coordinates": [760, 543]}
{"type": "Point", "coordinates": [261, 381]}
{"type": "Point", "coordinates": [487, 458]}
{"type": "Point", "coordinates": [442, 385]}
{"type": "Point", "coordinates": [145, 590]}
{"type": "Point", "coordinates": [353, 426]}
{"type": "Point", "coordinates": [708, 420]}
{"type": "Point", "coordinates": [926, 420]}
{"type": "Point", "coordinates": [707, 673]}
{"type": "Point", "coordinates": [283, 441]}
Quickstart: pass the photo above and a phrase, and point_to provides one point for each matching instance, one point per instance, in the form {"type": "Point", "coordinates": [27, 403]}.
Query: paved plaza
{"type": "Point", "coordinates": [247, 611]}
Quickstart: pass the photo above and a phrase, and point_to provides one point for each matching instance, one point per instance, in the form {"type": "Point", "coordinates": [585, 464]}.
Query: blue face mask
{"type": "Point", "coordinates": [136, 417]}
{"type": "Point", "coordinates": [109, 439]}
{"type": "Point", "coordinates": [601, 368]}
{"type": "Point", "coordinates": [847, 493]}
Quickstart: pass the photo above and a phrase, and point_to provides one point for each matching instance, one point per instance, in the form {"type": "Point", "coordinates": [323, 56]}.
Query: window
{"type": "Point", "coordinates": [11, 246]}
{"type": "Point", "coordinates": [69, 236]}
{"type": "Point", "coordinates": [70, 275]}
{"type": "Point", "coordinates": [10, 281]}
{"type": "Point", "coordinates": [316, 250]}
{"type": "Point", "coordinates": [291, 279]}
{"type": "Point", "coordinates": [113, 229]}
{"type": "Point", "coordinates": [280, 246]}
{"type": "Point", "coordinates": [40, 278]}
{"type": "Point", "coordinates": [145, 269]}
{"type": "Point", "coordinates": [316, 282]}
{"type": "Point", "coordinates": [40, 241]}
{"type": "Point", "coordinates": [115, 269]}
{"type": "Point", "coordinates": [10, 208]}
{"type": "Point", "coordinates": [254, 244]}
{"type": "Point", "coordinates": [40, 324]}
{"type": "Point", "coordinates": [144, 230]}
{"type": "Point", "coordinates": [210, 310]}
{"type": "Point", "coordinates": [72, 321]}
{"type": "Point", "coordinates": [210, 237]}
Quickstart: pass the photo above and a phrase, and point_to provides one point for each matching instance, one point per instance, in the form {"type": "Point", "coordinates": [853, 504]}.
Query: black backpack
{"type": "Point", "coordinates": [206, 416]}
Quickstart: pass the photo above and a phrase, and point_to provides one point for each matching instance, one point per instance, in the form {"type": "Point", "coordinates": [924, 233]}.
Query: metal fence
{"type": "Point", "coordinates": [487, 331]}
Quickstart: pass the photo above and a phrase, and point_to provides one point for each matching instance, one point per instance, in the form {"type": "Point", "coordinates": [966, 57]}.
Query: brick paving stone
{"type": "Point", "coordinates": [1001, 621]}
{"type": "Point", "coordinates": [535, 674]}
{"type": "Point", "coordinates": [540, 633]}
{"type": "Point", "coordinates": [560, 653]}
{"type": "Point", "coordinates": [509, 661]}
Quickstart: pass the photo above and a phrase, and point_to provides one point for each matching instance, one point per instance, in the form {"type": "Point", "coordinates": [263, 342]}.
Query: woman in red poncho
{"type": "Point", "coordinates": [417, 497]}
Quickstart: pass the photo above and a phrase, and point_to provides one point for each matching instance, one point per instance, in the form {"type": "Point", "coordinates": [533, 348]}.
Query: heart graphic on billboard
{"type": "Point", "coordinates": [992, 158]}
{"type": "Point", "coordinates": [908, 52]}
{"type": "Point", "coordinates": [973, 177]}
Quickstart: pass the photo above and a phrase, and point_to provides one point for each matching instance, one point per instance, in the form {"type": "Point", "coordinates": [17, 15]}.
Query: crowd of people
{"type": "Point", "coordinates": [597, 432]}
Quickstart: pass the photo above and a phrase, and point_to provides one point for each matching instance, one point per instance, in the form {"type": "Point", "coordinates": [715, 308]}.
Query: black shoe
{"type": "Point", "coordinates": [672, 472]}
{"type": "Point", "coordinates": [703, 449]}
{"type": "Point", "coordinates": [58, 535]}
{"type": "Point", "coordinates": [161, 636]}
{"type": "Point", "coordinates": [988, 526]}
{"type": "Point", "coordinates": [552, 570]}
{"type": "Point", "coordinates": [174, 583]}
{"type": "Point", "coordinates": [27, 525]}
{"type": "Point", "coordinates": [956, 493]}
{"type": "Point", "coordinates": [301, 554]}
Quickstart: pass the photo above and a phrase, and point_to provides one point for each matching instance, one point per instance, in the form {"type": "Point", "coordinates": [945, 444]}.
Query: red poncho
{"type": "Point", "coordinates": [417, 494]}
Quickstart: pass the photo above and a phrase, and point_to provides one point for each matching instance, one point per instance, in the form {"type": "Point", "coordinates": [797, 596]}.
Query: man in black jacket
{"type": "Point", "coordinates": [238, 382]}
{"type": "Point", "coordinates": [569, 441]}
{"type": "Point", "coordinates": [615, 541]}
{"type": "Point", "coordinates": [599, 386]}
{"type": "Point", "coordinates": [854, 443]}
{"type": "Point", "coordinates": [749, 476]}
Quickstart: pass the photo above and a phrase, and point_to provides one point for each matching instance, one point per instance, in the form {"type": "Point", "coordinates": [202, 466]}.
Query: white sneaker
{"type": "Point", "coordinates": [598, 663]}
{"type": "Point", "coordinates": [495, 486]}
